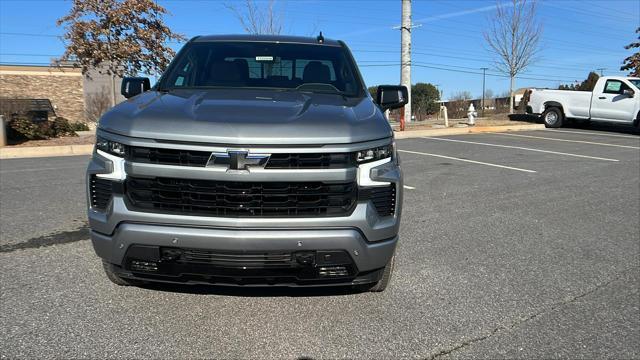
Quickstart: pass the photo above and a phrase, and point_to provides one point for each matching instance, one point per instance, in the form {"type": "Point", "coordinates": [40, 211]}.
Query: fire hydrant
{"type": "Point", "coordinates": [471, 114]}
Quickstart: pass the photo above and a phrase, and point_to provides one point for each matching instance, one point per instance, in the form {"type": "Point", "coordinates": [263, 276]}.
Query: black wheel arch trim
{"type": "Point", "coordinates": [550, 104]}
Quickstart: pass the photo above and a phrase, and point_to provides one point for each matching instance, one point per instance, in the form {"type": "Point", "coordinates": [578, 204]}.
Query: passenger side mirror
{"type": "Point", "coordinates": [392, 96]}
{"type": "Point", "coordinates": [132, 86]}
{"type": "Point", "coordinates": [628, 92]}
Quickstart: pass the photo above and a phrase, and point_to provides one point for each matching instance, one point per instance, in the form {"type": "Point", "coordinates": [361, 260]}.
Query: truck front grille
{"type": "Point", "coordinates": [168, 156]}
{"type": "Point", "coordinates": [311, 161]}
{"type": "Point", "coordinates": [237, 259]}
{"type": "Point", "coordinates": [195, 158]}
{"type": "Point", "coordinates": [241, 199]}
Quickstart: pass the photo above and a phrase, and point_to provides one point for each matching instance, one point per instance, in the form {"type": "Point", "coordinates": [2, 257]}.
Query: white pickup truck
{"type": "Point", "coordinates": [613, 99]}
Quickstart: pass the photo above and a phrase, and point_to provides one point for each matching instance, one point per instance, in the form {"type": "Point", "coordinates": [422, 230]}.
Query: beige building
{"type": "Point", "coordinates": [70, 94]}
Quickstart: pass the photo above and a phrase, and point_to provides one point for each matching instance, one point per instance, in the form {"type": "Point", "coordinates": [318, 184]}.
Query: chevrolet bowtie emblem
{"type": "Point", "coordinates": [237, 160]}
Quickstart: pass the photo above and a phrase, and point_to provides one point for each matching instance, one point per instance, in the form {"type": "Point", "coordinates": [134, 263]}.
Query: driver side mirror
{"type": "Point", "coordinates": [392, 96]}
{"type": "Point", "coordinates": [132, 86]}
{"type": "Point", "coordinates": [628, 92]}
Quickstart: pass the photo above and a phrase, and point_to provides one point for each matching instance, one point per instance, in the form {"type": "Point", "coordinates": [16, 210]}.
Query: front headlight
{"type": "Point", "coordinates": [110, 147]}
{"type": "Point", "coordinates": [374, 154]}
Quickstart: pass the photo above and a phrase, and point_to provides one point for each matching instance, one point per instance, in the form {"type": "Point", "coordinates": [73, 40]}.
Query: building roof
{"type": "Point", "coordinates": [26, 105]}
{"type": "Point", "coordinates": [267, 38]}
{"type": "Point", "coordinates": [12, 69]}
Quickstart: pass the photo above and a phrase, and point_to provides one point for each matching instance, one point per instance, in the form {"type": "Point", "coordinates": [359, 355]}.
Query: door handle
{"type": "Point", "coordinates": [602, 97]}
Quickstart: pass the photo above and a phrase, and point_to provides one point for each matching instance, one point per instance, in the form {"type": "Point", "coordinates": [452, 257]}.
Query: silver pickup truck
{"type": "Point", "coordinates": [254, 161]}
{"type": "Point", "coordinates": [613, 99]}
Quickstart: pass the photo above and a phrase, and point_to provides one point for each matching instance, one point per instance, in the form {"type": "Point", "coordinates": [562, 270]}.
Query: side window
{"type": "Point", "coordinates": [614, 87]}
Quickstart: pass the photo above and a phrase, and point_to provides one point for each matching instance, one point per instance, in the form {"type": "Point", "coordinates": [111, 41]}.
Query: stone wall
{"type": "Point", "coordinates": [63, 89]}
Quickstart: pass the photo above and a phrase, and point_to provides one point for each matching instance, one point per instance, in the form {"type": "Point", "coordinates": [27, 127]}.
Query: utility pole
{"type": "Point", "coordinates": [405, 57]}
{"type": "Point", "coordinates": [438, 90]}
{"type": "Point", "coordinates": [601, 71]}
{"type": "Point", "coordinates": [484, 75]}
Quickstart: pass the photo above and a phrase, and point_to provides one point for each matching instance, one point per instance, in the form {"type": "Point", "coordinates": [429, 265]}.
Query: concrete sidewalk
{"type": "Point", "coordinates": [465, 130]}
{"type": "Point", "coordinates": [16, 152]}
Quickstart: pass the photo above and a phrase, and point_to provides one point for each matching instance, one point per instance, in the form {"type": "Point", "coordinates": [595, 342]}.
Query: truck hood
{"type": "Point", "coordinates": [247, 117]}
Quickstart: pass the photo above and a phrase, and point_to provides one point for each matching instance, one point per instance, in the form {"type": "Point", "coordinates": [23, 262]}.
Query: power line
{"type": "Point", "coordinates": [18, 54]}
{"type": "Point", "coordinates": [30, 34]}
{"type": "Point", "coordinates": [445, 68]}
{"type": "Point", "coordinates": [460, 58]}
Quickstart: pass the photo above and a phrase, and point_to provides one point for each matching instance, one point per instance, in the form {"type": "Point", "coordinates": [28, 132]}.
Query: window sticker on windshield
{"type": "Point", "coordinates": [613, 86]}
{"type": "Point", "coordinates": [264, 58]}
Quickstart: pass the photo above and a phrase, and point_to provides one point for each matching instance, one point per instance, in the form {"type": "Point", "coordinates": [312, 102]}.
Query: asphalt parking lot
{"type": "Point", "coordinates": [512, 245]}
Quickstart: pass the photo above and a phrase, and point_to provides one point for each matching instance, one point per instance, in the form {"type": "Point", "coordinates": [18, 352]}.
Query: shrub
{"type": "Point", "coordinates": [22, 128]}
{"type": "Point", "coordinates": [79, 126]}
{"type": "Point", "coordinates": [62, 127]}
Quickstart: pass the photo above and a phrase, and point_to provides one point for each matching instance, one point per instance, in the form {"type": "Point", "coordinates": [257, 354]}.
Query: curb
{"type": "Point", "coordinates": [409, 134]}
{"type": "Point", "coordinates": [70, 150]}
{"type": "Point", "coordinates": [44, 151]}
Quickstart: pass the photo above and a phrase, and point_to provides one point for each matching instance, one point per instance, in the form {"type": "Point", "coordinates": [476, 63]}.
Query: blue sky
{"type": "Point", "coordinates": [448, 49]}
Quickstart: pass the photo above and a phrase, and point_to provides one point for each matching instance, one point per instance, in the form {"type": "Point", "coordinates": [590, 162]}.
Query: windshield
{"type": "Point", "coordinates": [311, 68]}
{"type": "Point", "coordinates": [635, 82]}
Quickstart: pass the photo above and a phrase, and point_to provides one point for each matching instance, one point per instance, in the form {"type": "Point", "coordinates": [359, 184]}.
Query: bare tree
{"type": "Point", "coordinates": [458, 104]}
{"type": "Point", "coordinates": [488, 94]}
{"type": "Point", "coordinates": [118, 36]}
{"type": "Point", "coordinates": [97, 104]}
{"type": "Point", "coordinates": [461, 95]}
{"type": "Point", "coordinates": [514, 36]}
{"type": "Point", "coordinates": [256, 19]}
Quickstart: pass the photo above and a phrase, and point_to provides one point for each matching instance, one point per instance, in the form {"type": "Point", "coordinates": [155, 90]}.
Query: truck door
{"type": "Point", "coordinates": [610, 103]}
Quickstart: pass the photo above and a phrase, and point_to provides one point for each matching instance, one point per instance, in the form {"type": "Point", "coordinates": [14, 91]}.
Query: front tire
{"type": "Point", "coordinates": [110, 271]}
{"type": "Point", "coordinates": [553, 117]}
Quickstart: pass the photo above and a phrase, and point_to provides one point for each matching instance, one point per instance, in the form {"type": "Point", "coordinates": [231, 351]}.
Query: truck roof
{"type": "Point", "coordinates": [267, 38]}
{"type": "Point", "coordinates": [619, 77]}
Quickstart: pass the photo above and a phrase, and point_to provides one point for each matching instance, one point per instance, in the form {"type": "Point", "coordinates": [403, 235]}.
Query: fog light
{"type": "Point", "coordinates": [147, 266]}
{"type": "Point", "coordinates": [333, 271]}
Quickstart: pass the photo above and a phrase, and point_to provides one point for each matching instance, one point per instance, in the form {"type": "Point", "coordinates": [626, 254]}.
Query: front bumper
{"type": "Point", "coordinates": [366, 257]}
{"type": "Point", "coordinates": [368, 239]}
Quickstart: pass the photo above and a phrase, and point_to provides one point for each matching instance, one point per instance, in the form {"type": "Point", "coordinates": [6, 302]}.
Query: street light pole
{"type": "Point", "coordinates": [484, 75]}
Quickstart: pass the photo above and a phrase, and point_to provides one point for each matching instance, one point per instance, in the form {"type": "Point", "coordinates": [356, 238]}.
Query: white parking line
{"type": "Point", "coordinates": [469, 161]}
{"type": "Point", "coordinates": [566, 140]}
{"type": "Point", "coordinates": [594, 133]}
{"type": "Point", "coordinates": [523, 148]}
{"type": "Point", "coordinates": [408, 187]}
